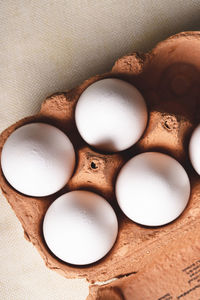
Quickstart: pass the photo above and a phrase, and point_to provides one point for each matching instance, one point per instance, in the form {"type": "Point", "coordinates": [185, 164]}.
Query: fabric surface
{"type": "Point", "coordinates": [48, 46]}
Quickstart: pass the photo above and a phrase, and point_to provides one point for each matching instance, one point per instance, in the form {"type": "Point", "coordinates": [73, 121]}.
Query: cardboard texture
{"type": "Point", "coordinates": [163, 257]}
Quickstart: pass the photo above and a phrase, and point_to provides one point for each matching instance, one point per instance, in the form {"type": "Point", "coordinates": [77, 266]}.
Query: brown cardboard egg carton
{"type": "Point", "coordinates": [169, 79]}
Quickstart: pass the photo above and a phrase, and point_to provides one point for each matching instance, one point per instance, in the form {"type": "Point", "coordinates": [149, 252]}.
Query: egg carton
{"type": "Point", "coordinates": [168, 77]}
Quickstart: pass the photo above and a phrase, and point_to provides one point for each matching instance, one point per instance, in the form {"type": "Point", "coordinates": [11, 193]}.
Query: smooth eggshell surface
{"type": "Point", "coordinates": [111, 115]}
{"type": "Point", "coordinates": [80, 227]}
{"type": "Point", "coordinates": [152, 189]}
{"type": "Point", "coordinates": [194, 149]}
{"type": "Point", "coordinates": [38, 159]}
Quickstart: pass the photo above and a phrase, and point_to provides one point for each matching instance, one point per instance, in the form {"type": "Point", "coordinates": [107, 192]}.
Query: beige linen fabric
{"type": "Point", "coordinates": [48, 46]}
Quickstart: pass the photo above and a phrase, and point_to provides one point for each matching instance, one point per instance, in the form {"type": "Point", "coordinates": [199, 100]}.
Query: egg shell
{"type": "Point", "coordinates": [111, 115]}
{"type": "Point", "coordinates": [38, 159]}
{"type": "Point", "coordinates": [168, 77]}
{"type": "Point", "coordinates": [80, 227]}
{"type": "Point", "coordinates": [194, 149]}
{"type": "Point", "coordinates": [152, 189]}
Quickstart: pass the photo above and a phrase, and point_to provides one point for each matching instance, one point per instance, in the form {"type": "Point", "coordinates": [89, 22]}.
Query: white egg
{"type": "Point", "coordinates": [152, 189]}
{"type": "Point", "coordinates": [37, 159]}
{"type": "Point", "coordinates": [111, 115]}
{"type": "Point", "coordinates": [80, 227]}
{"type": "Point", "coordinates": [194, 149]}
